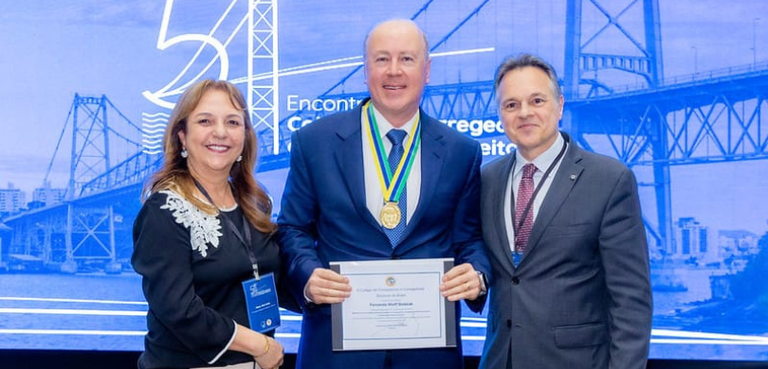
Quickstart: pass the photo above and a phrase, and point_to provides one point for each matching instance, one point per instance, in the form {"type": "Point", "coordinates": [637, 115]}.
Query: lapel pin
{"type": "Point", "coordinates": [573, 177]}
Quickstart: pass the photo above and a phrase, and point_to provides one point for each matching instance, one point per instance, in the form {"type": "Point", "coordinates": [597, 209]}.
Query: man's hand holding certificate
{"type": "Point", "coordinates": [327, 287]}
{"type": "Point", "coordinates": [462, 282]}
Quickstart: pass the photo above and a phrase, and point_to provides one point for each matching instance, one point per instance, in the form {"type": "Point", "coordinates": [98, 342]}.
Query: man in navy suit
{"type": "Point", "coordinates": [338, 204]}
{"type": "Point", "coordinates": [568, 249]}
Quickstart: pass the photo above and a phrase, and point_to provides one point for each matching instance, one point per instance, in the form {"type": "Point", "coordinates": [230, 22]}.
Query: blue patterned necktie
{"type": "Point", "coordinates": [396, 136]}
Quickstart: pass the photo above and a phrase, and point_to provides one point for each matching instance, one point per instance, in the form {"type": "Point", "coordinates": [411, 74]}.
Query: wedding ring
{"type": "Point", "coordinates": [467, 285]}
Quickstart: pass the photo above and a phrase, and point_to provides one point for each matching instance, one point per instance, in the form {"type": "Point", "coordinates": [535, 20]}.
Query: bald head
{"type": "Point", "coordinates": [402, 25]}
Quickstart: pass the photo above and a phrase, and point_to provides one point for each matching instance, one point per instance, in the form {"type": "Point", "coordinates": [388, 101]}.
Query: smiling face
{"type": "Point", "coordinates": [214, 136]}
{"type": "Point", "coordinates": [529, 109]}
{"type": "Point", "coordinates": [396, 69]}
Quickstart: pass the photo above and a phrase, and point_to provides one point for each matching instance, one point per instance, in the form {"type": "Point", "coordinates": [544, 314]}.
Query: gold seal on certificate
{"type": "Point", "coordinates": [391, 281]}
{"type": "Point", "coordinates": [390, 215]}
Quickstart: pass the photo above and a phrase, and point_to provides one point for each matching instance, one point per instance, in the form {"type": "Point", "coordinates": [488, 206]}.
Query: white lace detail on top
{"type": "Point", "coordinates": [203, 228]}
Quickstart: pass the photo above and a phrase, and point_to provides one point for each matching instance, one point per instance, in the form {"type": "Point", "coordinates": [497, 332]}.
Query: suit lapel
{"type": "Point", "coordinates": [350, 161]}
{"type": "Point", "coordinates": [564, 180]}
{"type": "Point", "coordinates": [498, 213]}
{"type": "Point", "coordinates": [432, 160]}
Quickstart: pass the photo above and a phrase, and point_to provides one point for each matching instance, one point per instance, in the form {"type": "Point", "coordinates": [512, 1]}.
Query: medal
{"type": "Point", "coordinates": [390, 215]}
{"type": "Point", "coordinates": [392, 180]}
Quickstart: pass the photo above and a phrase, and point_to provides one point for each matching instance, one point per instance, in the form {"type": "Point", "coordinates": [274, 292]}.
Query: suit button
{"type": "Point", "coordinates": [515, 281]}
{"type": "Point", "coordinates": [509, 323]}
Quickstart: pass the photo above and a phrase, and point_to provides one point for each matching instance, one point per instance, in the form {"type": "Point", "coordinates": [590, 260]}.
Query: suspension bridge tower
{"type": "Point", "coordinates": [588, 67]}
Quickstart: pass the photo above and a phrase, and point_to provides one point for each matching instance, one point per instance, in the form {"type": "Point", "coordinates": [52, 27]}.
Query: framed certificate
{"type": "Point", "coordinates": [395, 304]}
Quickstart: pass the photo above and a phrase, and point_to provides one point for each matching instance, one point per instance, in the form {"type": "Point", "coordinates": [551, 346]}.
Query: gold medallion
{"type": "Point", "coordinates": [390, 215]}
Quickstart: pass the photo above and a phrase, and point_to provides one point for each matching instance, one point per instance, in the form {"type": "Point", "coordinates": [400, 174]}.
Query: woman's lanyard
{"type": "Point", "coordinates": [516, 225]}
{"type": "Point", "coordinates": [246, 242]}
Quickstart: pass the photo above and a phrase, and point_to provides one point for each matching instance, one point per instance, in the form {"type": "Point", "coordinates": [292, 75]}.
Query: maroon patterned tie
{"type": "Point", "coordinates": [524, 194]}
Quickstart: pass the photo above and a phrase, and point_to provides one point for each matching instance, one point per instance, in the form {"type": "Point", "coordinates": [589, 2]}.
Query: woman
{"type": "Point", "coordinates": [204, 221]}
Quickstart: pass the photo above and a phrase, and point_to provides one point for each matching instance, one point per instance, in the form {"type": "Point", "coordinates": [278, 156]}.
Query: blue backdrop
{"type": "Point", "coordinates": [676, 90]}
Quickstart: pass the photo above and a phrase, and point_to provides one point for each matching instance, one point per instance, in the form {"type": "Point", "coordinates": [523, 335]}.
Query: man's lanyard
{"type": "Point", "coordinates": [516, 225]}
{"type": "Point", "coordinates": [246, 242]}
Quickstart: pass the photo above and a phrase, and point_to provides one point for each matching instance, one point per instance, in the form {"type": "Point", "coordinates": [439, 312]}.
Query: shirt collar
{"type": "Point", "coordinates": [385, 126]}
{"type": "Point", "coordinates": [543, 161]}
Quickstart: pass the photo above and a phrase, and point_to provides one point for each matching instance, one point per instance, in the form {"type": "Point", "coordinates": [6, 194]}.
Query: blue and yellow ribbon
{"type": "Point", "coordinates": [392, 182]}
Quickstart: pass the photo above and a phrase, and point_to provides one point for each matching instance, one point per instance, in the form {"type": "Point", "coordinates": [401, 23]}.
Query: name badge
{"type": "Point", "coordinates": [261, 301]}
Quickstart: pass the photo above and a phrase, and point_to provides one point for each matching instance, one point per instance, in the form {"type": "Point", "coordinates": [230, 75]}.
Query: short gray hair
{"type": "Point", "coordinates": [527, 60]}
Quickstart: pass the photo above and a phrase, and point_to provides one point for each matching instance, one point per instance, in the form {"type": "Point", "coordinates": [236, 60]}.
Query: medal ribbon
{"type": "Point", "coordinates": [392, 182]}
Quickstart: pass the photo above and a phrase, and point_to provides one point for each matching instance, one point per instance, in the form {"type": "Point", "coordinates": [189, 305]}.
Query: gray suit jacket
{"type": "Point", "coordinates": [581, 295]}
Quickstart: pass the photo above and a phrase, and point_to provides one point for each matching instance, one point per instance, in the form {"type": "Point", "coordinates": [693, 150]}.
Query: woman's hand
{"type": "Point", "coordinates": [272, 355]}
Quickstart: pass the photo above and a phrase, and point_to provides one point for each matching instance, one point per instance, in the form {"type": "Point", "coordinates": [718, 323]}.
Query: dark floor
{"type": "Point", "coordinates": [30, 359]}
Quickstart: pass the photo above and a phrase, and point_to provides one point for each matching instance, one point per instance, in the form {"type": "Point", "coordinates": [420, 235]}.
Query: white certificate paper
{"type": "Point", "coordinates": [395, 304]}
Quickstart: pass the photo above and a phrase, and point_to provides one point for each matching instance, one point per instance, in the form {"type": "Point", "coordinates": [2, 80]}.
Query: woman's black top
{"type": "Point", "coordinates": [193, 266]}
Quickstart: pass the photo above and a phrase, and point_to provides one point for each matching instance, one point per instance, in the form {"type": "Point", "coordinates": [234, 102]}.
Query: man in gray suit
{"type": "Point", "coordinates": [570, 286]}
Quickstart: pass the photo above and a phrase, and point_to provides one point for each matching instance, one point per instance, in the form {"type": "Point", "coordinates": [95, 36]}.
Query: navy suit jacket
{"type": "Point", "coordinates": [324, 218]}
{"type": "Point", "coordinates": [581, 296]}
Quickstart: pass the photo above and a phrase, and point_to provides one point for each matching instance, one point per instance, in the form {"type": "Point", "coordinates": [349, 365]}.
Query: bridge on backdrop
{"type": "Point", "coordinates": [706, 117]}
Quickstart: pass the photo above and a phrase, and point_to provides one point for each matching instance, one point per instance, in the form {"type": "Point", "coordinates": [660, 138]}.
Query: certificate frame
{"type": "Point", "coordinates": [395, 304]}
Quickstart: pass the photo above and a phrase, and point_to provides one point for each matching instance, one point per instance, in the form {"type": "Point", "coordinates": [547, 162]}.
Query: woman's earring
{"type": "Point", "coordinates": [184, 153]}
{"type": "Point", "coordinates": [239, 158]}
